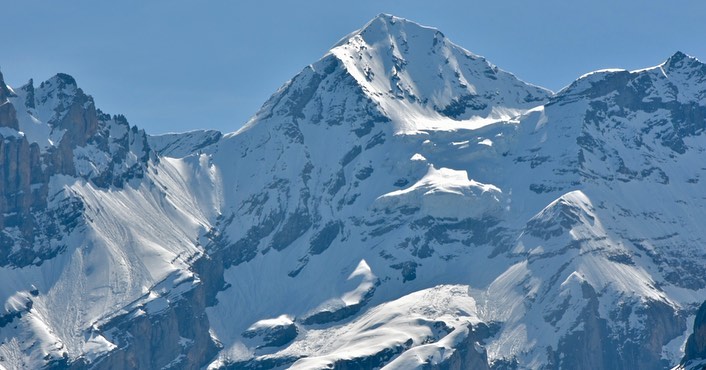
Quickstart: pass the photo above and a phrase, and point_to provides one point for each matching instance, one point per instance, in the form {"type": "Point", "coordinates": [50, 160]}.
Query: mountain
{"type": "Point", "coordinates": [88, 226]}
{"type": "Point", "coordinates": [400, 203]}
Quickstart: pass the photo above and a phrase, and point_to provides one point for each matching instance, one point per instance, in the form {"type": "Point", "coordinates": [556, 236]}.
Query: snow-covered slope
{"type": "Point", "coordinates": [401, 203]}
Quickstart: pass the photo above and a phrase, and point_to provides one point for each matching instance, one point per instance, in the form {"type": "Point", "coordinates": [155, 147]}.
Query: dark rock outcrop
{"type": "Point", "coordinates": [469, 353]}
{"type": "Point", "coordinates": [176, 337]}
{"type": "Point", "coordinates": [696, 344]}
{"type": "Point", "coordinates": [275, 336]}
{"type": "Point", "coordinates": [591, 346]}
{"type": "Point", "coordinates": [8, 115]}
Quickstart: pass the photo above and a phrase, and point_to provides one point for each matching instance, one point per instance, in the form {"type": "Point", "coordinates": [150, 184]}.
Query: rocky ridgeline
{"type": "Point", "coordinates": [51, 130]}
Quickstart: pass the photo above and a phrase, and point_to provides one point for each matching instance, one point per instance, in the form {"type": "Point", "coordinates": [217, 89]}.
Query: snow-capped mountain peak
{"type": "Point", "coordinates": [680, 60]}
{"type": "Point", "coordinates": [688, 76]}
{"type": "Point", "coordinates": [407, 74]}
{"type": "Point", "coordinates": [55, 96]}
{"type": "Point", "coordinates": [387, 26]}
{"type": "Point", "coordinates": [407, 67]}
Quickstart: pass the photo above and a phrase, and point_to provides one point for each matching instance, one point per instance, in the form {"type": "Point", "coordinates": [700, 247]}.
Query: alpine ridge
{"type": "Point", "coordinates": [401, 203]}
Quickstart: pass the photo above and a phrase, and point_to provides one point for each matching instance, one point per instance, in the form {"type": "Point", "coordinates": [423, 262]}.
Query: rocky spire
{"type": "Point", "coordinates": [8, 115]}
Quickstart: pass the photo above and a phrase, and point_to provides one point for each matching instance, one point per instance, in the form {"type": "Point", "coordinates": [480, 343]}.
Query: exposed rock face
{"type": "Point", "coordinates": [274, 336]}
{"type": "Point", "coordinates": [174, 337]}
{"type": "Point", "coordinates": [23, 186]}
{"type": "Point", "coordinates": [8, 116]}
{"type": "Point", "coordinates": [695, 350]}
{"type": "Point", "coordinates": [78, 117]}
{"type": "Point", "coordinates": [591, 346]}
{"type": "Point", "coordinates": [57, 132]}
{"type": "Point", "coordinates": [469, 353]}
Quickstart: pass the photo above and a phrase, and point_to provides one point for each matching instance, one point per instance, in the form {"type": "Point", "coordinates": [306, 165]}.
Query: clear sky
{"type": "Point", "coordinates": [178, 65]}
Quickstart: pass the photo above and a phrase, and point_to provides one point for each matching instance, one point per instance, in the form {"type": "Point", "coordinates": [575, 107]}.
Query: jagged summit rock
{"type": "Point", "coordinates": [5, 91]}
{"type": "Point", "coordinates": [680, 60]}
{"type": "Point", "coordinates": [8, 115]}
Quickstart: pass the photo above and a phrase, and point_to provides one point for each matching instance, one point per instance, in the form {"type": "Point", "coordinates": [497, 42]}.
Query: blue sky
{"type": "Point", "coordinates": [177, 65]}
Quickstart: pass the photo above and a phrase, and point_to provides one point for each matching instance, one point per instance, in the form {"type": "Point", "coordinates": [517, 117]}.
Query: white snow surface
{"type": "Point", "coordinates": [396, 323]}
{"type": "Point", "coordinates": [446, 193]}
{"type": "Point", "coordinates": [132, 239]}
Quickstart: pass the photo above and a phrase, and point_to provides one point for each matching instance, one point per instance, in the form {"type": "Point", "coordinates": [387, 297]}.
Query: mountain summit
{"type": "Point", "coordinates": [413, 75]}
{"type": "Point", "coordinates": [401, 203]}
{"type": "Point", "coordinates": [408, 67]}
